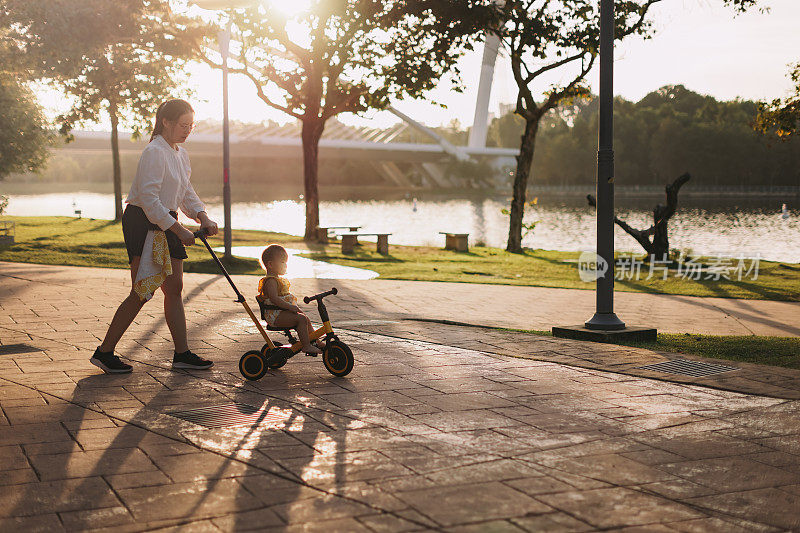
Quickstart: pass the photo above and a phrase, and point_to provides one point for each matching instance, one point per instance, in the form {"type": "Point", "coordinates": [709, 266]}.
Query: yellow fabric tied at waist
{"type": "Point", "coordinates": [154, 266]}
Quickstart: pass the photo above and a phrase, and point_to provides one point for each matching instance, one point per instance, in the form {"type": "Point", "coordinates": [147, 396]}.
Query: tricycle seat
{"type": "Point", "coordinates": [264, 307]}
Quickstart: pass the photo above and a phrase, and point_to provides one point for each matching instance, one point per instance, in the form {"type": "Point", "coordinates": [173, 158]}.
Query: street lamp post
{"type": "Point", "coordinates": [224, 45]}
{"type": "Point", "coordinates": [604, 326]}
{"type": "Point", "coordinates": [604, 317]}
{"type": "Point", "coordinates": [224, 38]}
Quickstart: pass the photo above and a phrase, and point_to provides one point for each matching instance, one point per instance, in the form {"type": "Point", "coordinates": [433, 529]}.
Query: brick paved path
{"type": "Point", "coordinates": [421, 436]}
{"type": "Point", "coordinates": [492, 305]}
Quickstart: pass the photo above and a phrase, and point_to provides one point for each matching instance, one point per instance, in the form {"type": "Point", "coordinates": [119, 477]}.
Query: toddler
{"type": "Point", "coordinates": [281, 309]}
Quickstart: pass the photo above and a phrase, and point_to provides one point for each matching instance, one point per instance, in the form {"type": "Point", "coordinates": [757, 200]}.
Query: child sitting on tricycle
{"type": "Point", "coordinates": [280, 305]}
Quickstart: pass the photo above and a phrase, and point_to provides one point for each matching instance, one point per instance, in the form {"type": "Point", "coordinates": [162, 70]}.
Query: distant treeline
{"type": "Point", "coordinates": [94, 168]}
{"type": "Point", "coordinates": [668, 132]}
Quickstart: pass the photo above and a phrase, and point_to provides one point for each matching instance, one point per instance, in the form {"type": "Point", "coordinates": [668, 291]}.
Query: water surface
{"type": "Point", "coordinates": [735, 227]}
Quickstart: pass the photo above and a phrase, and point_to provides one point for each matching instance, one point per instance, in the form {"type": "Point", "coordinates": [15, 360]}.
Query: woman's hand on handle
{"type": "Point", "coordinates": [207, 224]}
{"type": "Point", "coordinates": [184, 235]}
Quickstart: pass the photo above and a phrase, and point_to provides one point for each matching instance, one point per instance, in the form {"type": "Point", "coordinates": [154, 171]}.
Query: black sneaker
{"type": "Point", "coordinates": [109, 363]}
{"type": "Point", "coordinates": [189, 360]}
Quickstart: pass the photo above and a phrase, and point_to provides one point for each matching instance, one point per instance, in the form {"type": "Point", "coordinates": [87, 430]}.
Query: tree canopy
{"type": "Point", "coordinates": [133, 72]}
{"type": "Point", "coordinates": [547, 37]}
{"type": "Point", "coordinates": [669, 131]}
{"type": "Point", "coordinates": [348, 56]}
{"type": "Point", "coordinates": [24, 135]}
{"type": "Point", "coordinates": [125, 60]}
{"type": "Point", "coordinates": [781, 116]}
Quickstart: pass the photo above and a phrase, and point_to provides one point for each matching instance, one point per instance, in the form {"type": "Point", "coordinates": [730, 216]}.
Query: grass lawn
{"type": "Point", "coordinates": [543, 268]}
{"type": "Point", "coordinates": [99, 243]}
{"type": "Point", "coordinates": [774, 351]}
{"type": "Point", "coordinates": [88, 242]}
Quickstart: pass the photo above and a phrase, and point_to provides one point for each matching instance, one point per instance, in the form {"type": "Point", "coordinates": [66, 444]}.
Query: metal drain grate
{"type": "Point", "coordinates": [684, 367]}
{"type": "Point", "coordinates": [229, 414]}
{"type": "Point", "coordinates": [12, 349]}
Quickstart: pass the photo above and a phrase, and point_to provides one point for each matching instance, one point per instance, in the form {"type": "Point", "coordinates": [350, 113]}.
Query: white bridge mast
{"type": "Point", "coordinates": [480, 123]}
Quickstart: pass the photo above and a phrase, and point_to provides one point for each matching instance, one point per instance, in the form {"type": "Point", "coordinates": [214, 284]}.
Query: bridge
{"type": "Point", "coordinates": [379, 147]}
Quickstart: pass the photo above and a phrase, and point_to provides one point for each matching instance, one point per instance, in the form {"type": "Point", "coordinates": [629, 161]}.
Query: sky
{"type": "Point", "coordinates": [698, 43]}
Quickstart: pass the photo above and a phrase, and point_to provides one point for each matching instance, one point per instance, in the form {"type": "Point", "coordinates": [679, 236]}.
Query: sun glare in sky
{"type": "Point", "coordinates": [289, 7]}
{"type": "Point", "coordinates": [697, 43]}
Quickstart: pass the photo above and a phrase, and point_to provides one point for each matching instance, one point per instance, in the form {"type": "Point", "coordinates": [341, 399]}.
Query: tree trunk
{"type": "Point", "coordinates": [524, 162]}
{"type": "Point", "coordinates": [112, 112]}
{"type": "Point", "coordinates": [658, 248]}
{"type": "Point", "coordinates": [311, 134]}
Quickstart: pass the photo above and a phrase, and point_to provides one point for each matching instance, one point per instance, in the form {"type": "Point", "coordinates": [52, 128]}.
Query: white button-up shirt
{"type": "Point", "coordinates": [162, 184]}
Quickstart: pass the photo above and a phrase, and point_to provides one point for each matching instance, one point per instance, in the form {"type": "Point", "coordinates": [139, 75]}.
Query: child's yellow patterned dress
{"type": "Point", "coordinates": [283, 293]}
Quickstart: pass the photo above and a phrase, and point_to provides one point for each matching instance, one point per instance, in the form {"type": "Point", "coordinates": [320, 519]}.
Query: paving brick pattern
{"type": "Point", "coordinates": [748, 378]}
{"type": "Point", "coordinates": [423, 435]}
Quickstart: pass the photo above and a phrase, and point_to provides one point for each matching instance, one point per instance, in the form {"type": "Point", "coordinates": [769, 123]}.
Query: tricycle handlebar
{"type": "Point", "coordinates": [320, 296]}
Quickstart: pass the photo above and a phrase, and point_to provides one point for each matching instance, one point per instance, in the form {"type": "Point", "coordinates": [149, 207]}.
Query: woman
{"type": "Point", "coordinates": [161, 186]}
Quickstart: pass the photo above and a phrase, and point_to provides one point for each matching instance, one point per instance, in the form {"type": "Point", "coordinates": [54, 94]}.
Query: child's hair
{"type": "Point", "coordinates": [272, 252]}
{"type": "Point", "coordinates": [171, 110]}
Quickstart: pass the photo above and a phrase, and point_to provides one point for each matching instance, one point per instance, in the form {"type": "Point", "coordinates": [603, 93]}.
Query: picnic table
{"type": "Point", "coordinates": [323, 232]}
{"type": "Point", "coordinates": [456, 241]}
{"type": "Point", "coordinates": [350, 239]}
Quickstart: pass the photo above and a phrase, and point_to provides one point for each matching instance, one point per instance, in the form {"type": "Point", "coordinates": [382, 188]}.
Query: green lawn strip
{"type": "Point", "coordinates": [543, 268]}
{"type": "Point", "coordinates": [773, 351]}
{"type": "Point", "coordinates": [99, 243]}
{"type": "Point", "coordinates": [88, 242]}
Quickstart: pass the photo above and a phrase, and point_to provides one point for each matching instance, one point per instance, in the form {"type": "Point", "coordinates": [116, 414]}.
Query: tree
{"type": "Point", "coordinates": [782, 116]}
{"type": "Point", "coordinates": [24, 136]}
{"type": "Point", "coordinates": [547, 36]}
{"type": "Point", "coordinates": [740, 6]}
{"type": "Point", "coordinates": [124, 71]}
{"type": "Point", "coordinates": [38, 37]}
{"type": "Point", "coordinates": [658, 248]}
{"type": "Point", "coordinates": [348, 56]}
{"type": "Point", "coordinates": [669, 131]}
{"type": "Point", "coordinates": [130, 76]}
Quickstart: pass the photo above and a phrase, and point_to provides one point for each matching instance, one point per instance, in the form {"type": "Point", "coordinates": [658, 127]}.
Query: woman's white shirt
{"type": "Point", "coordinates": [162, 184]}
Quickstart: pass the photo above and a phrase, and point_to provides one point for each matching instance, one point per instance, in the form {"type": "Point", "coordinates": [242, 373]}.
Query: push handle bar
{"type": "Point", "coordinates": [201, 234]}
{"type": "Point", "coordinates": [320, 296]}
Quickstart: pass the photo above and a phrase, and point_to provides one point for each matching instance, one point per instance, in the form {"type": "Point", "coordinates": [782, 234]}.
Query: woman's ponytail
{"type": "Point", "coordinates": [171, 110]}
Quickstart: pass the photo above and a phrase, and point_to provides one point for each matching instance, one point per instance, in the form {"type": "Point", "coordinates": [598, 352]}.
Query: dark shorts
{"type": "Point", "coordinates": [135, 226]}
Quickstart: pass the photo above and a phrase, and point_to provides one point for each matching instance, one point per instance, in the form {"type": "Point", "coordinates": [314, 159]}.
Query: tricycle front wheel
{"type": "Point", "coordinates": [338, 358]}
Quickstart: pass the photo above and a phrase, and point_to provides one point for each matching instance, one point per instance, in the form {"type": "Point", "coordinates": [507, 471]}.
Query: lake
{"type": "Point", "coordinates": [731, 226]}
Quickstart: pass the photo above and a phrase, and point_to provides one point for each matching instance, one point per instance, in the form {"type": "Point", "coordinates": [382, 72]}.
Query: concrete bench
{"type": "Point", "coordinates": [324, 232]}
{"type": "Point", "coordinates": [456, 241]}
{"type": "Point", "coordinates": [349, 240]}
{"type": "Point", "coordinates": [7, 231]}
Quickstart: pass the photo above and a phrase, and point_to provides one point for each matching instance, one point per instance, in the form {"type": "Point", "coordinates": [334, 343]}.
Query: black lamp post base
{"type": "Point", "coordinates": [605, 322]}
{"type": "Point", "coordinates": [630, 333]}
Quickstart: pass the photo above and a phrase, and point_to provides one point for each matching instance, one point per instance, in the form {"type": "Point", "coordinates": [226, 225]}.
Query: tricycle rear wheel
{"type": "Point", "coordinates": [252, 365]}
{"type": "Point", "coordinates": [265, 351]}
